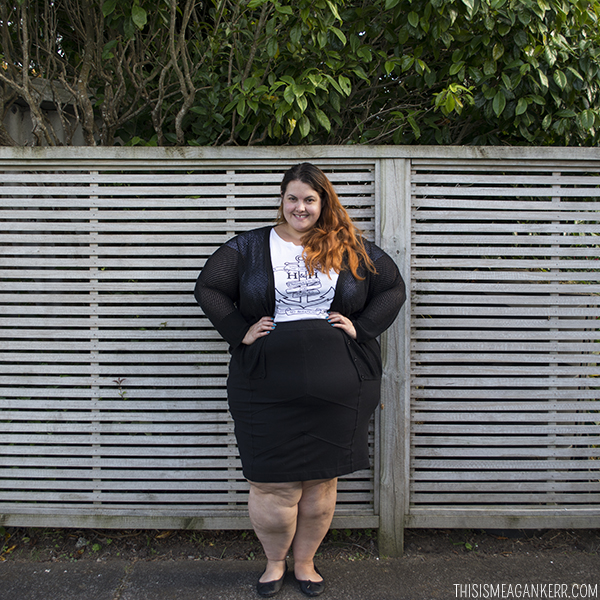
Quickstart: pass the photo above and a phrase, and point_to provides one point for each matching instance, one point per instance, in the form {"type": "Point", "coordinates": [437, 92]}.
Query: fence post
{"type": "Point", "coordinates": [395, 219]}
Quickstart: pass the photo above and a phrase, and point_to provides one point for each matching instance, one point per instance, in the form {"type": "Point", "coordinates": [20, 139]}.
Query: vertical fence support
{"type": "Point", "coordinates": [394, 198]}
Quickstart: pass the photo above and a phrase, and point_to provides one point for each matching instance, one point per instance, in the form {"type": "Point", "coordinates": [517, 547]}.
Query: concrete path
{"type": "Point", "coordinates": [425, 577]}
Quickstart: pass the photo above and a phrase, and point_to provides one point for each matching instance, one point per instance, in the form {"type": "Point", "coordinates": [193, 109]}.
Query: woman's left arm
{"type": "Point", "coordinates": [386, 296]}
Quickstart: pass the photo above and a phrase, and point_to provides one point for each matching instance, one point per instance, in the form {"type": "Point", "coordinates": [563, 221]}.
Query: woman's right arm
{"type": "Point", "coordinates": [217, 292]}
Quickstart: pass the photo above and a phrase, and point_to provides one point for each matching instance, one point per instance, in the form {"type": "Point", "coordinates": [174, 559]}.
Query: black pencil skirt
{"type": "Point", "coordinates": [300, 407]}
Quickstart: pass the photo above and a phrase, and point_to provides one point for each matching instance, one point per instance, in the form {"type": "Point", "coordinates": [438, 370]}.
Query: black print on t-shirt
{"type": "Point", "coordinates": [303, 290]}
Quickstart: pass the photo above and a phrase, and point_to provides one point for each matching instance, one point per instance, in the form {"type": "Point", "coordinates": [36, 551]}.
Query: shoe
{"type": "Point", "coordinates": [311, 588]}
{"type": "Point", "coordinates": [266, 589]}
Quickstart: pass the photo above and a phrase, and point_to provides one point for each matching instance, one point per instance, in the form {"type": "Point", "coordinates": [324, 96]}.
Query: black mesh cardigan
{"type": "Point", "coordinates": [236, 288]}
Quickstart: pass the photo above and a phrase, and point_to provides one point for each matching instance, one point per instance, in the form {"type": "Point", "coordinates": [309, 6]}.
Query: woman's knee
{"type": "Point", "coordinates": [318, 499]}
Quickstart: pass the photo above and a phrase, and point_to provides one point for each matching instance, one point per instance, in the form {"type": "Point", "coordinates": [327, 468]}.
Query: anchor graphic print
{"type": "Point", "coordinates": [298, 294]}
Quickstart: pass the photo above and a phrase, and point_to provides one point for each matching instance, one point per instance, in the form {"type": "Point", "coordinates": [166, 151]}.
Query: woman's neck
{"type": "Point", "coordinates": [287, 234]}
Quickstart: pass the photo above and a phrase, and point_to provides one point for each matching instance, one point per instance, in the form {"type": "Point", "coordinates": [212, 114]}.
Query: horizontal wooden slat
{"type": "Point", "coordinates": [507, 498]}
{"type": "Point", "coordinates": [78, 352]}
{"type": "Point", "coordinates": [507, 333]}
{"type": "Point", "coordinates": [425, 442]}
{"type": "Point", "coordinates": [449, 216]}
{"type": "Point", "coordinates": [497, 357]}
{"type": "Point", "coordinates": [112, 334]}
{"type": "Point", "coordinates": [135, 190]}
{"type": "Point", "coordinates": [100, 416]}
{"type": "Point", "coordinates": [553, 348]}
{"type": "Point", "coordinates": [118, 458]}
{"type": "Point", "coordinates": [110, 370]}
{"type": "Point", "coordinates": [583, 290]}
{"type": "Point", "coordinates": [508, 191]}
{"type": "Point", "coordinates": [552, 392]}
{"type": "Point", "coordinates": [225, 176]}
{"type": "Point", "coordinates": [100, 444]}
{"type": "Point", "coordinates": [502, 311]}
{"type": "Point", "coordinates": [512, 428]}
{"type": "Point", "coordinates": [503, 468]}
{"type": "Point", "coordinates": [211, 388]}
{"type": "Point", "coordinates": [541, 487]}
{"type": "Point", "coordinates": [506, 237]}
{"type": "Point", "coordinates": [516, 300]}
{"type": "Point", "coordinates": [516, 452]}
{"type": "Point", "coordinates": [496, 370]}
{"type": "Point", "coordinates": [543, 205]}
{"type": "Point", "coordinates": [507, 276]}
{"type": "Point", "coordinates": [504, 263]}
{"type": "Point", "coordinates": [494, 227]}
{"type": "Point", "coordinates": [511, 180]}
{"type": "Point", "coordinates": [496, 407]}
{"type": "Point", "coordinates": [141, 425]}
{"type": "Point", "coordinates": [491, 417]}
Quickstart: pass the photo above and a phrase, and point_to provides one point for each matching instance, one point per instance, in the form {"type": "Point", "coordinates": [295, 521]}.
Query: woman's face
{"type": "Point", "coordinates": [301, 206]}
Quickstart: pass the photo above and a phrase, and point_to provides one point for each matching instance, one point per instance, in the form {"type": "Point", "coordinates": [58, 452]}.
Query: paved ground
{"type": "Point", "coordinates": [412, 578]}
{"type": "Point", "coordinates": [48, 564]}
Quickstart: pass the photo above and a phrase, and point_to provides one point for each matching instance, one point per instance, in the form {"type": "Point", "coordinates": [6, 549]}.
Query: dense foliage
{"type": "Point", "coordinates": [179, 72]}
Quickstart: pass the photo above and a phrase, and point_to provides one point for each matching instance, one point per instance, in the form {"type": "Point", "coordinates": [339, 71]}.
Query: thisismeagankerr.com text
{"type": "Point", "coordinates": [526, 590]}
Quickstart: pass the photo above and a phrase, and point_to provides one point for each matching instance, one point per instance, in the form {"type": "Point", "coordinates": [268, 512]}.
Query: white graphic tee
{"type": "Point", "coordinates": [298, 295]}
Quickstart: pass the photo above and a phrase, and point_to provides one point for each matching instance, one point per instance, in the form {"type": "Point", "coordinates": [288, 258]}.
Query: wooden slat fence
{"type": "Point", "coordinates": [505, 343]}
{"type": "Point", "coordinates": [112, 382]}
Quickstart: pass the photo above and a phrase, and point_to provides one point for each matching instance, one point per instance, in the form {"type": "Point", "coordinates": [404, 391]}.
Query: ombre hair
{"type": "Point", "coordinates": [334, 242]}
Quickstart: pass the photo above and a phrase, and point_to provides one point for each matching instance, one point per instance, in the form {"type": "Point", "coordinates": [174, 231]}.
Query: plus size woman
{"type": "Point", "coordinates": [301, 304]}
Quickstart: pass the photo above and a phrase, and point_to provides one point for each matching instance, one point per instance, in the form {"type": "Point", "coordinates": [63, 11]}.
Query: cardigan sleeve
{"type": "Point", "coordinates": [387, 294]}
{"type": "Point", "coordinates": [217, 292]}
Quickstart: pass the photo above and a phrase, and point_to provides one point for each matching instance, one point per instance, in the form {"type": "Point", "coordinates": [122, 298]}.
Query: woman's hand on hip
{"type": "Point", "coordinates": [261, 328]}
{"type": "Point", "coordinates": [338, 320]}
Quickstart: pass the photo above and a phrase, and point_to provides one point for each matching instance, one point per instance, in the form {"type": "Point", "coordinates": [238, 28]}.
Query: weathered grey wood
{"type": "Point", "coordinates": [224, 157]}
{"type": "Point", "coordinates": [507, 370]}
{"type": "Point", "coordinates": [503, 517]}
{"type": "Point", "coordinates": [529, 451]}
{"type": "Point", "coordinates": [551, 393]}
{"type": "Point", "coordinates": [482, 476]}
{"type": "Point", "coordinates": [98, 256]}
{"type": "Point", "coordinates": [156, 519]}
{"type": "Point", "coordinates": [504, 407]}
{"type": "Point", "coordinates": [492, 466]}
{"type": "Point", "coordinates": [492, 281]}
{"type": "Point", "coordinates": [511, 429]}
{"type": "Point", "coordinates": [106, 361]}
{"type": "Point", "coordinates": [395, 397]}
{"type": "Point", "coordinates": [430, 190]}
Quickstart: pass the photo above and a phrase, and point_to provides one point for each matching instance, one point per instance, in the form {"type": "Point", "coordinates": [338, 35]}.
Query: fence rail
{"type": "Point", "coordinates": [112, 382]}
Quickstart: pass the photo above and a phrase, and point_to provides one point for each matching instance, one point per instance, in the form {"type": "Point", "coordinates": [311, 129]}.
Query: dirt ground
{"type": "Point", "coordinates": [69, 545]}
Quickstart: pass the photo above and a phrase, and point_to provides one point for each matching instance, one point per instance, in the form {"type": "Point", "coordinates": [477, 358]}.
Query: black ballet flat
{"type": "Point", "coordinates": [311, 588]}
{"type": "Point", "coordinates": [266, 589]}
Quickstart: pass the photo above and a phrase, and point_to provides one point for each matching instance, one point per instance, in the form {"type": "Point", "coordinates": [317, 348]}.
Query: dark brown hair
{"type": "Point", "coordinates": [334, 242]}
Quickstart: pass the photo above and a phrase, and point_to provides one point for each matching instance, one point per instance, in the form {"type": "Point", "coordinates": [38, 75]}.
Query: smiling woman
{"type": "Point", "coordinates": [301, 305]}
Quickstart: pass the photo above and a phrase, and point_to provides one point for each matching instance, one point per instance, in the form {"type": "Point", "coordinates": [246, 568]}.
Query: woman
{"type": "Point", "coordinates": [300, 304]}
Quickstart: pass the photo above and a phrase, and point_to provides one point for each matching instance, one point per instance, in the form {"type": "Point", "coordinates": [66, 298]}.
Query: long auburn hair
{"type": "Point", "coordinates": [334, 242]}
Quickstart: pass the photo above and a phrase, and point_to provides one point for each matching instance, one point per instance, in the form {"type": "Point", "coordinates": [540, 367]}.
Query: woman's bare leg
{"type": "Point", "coordinates": [315, 512]}
{"type": "Point", "coordinates": [273, 511]}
